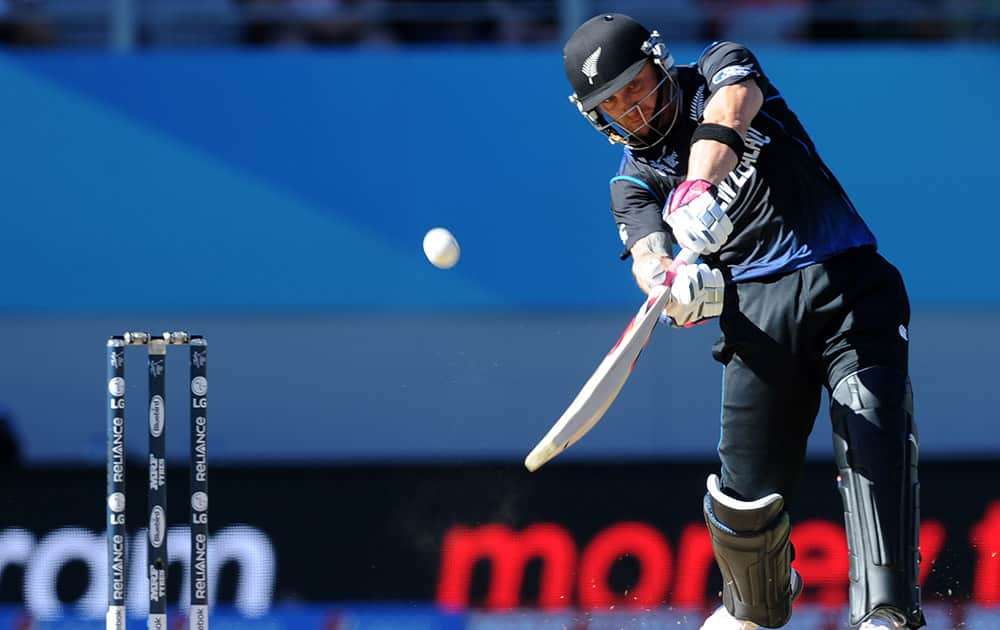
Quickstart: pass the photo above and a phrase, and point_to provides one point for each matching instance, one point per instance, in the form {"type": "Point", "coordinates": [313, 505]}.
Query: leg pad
{"type": "Point", "coordinates": [750, 540]}
{"type": "Point", "coordinates": [876, 449]}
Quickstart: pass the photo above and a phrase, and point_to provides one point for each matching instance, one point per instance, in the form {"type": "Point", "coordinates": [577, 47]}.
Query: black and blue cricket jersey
{"type": "Point", "coordinates": [787, 208]}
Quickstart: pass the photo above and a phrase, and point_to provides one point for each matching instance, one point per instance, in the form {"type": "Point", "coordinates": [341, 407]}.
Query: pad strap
{"type": "Point", "coordinates": [720, 133]}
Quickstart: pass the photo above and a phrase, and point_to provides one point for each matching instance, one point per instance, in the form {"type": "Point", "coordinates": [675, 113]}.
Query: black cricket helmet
{"type": "Point", "coordinates": [602, 56]}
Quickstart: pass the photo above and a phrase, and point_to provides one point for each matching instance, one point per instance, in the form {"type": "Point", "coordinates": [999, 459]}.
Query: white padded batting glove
{"type": "Point", "coordinates": [695, 295]}
{"type": "Point", "coordinates": [697, 220]}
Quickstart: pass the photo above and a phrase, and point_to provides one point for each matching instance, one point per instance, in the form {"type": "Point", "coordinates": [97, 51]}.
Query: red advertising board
{"type": "Point", "coordinates": [472, 537]}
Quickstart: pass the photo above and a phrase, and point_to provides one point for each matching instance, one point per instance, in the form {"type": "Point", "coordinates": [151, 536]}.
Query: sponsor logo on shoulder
{"type": "Point", "coordinates": [903, 333]}
{"type": "Point", "coordinates": [731, 72]}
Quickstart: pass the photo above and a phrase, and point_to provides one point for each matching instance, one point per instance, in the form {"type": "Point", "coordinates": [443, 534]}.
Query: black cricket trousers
{"type": "Point", "coordinates": [786, 337]}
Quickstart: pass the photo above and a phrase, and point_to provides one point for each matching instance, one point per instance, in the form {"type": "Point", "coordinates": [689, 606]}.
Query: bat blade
{"type": "Point", "coordinates": [603, 386]}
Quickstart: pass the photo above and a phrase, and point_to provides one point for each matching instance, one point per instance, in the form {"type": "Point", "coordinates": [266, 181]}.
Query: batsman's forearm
{"type": "Point", "coordinates": [645, 266]}
{"type": "Point", "coordinates": [711, 161]}
{"type": "Point", "coordinates": [651, 270]}
{"type": "Point", "coordinates": [648, 252]}
{"type": "Point", "coordinates": [733, 106]}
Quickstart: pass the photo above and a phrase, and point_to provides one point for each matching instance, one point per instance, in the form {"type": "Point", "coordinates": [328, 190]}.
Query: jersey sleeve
{"type": "Point", "coordinates": [727, 63]}
{"type": "Point", "coordinates": [636, 209]}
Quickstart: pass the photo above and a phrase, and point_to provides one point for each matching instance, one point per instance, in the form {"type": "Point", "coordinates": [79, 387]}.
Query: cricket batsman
{"type": "Point", "coordinates": [715, 161]}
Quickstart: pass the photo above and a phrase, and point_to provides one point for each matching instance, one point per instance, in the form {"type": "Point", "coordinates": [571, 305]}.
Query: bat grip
{"type": "Point", "coordinates": [684, 257]}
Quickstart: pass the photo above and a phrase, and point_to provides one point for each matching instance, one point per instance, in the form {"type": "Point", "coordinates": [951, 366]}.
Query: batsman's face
{"type": "Point", "coordinates": [632, 107]}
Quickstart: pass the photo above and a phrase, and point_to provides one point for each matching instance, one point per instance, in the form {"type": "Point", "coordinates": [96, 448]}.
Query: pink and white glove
{"type": "Point", "coordinates": [697, 220]}
{"type": "Point", "coordinates": [696, 294]}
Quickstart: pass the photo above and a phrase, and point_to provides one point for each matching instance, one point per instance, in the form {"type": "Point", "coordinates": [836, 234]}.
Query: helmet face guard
{"type": "Point", "coordinates": [666, 92]}
{"type": "Point", "coordinates": [667, 95]}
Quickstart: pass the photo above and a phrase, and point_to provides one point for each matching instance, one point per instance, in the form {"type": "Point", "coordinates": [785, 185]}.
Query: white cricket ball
{"type": "Point", "coordinates": [441, 248]}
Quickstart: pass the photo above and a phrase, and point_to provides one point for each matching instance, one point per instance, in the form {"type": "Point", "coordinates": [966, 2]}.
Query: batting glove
{"type": "Point", "coordinates": [697, 220]}
{"type": "Point", "coordinates": [695, 295]}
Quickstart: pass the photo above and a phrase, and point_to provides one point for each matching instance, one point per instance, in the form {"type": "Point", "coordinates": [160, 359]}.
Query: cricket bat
{"type": "Point", "coordinates": [603, 386]}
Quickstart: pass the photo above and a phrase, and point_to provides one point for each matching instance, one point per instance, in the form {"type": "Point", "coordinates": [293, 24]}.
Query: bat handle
{"type": "Point", "coordinates": [685, 256]}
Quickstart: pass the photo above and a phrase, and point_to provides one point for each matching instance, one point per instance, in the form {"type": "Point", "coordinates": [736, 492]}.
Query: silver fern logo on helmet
{"type": "Point", "coordinates": [589, 67]}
